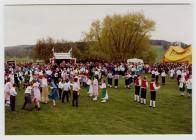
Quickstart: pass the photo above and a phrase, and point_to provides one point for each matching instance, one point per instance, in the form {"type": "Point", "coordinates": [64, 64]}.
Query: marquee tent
{"type": "Point", "coordinates": [178, 54]}
{"type": "Point", "coordinates": [135, 60]}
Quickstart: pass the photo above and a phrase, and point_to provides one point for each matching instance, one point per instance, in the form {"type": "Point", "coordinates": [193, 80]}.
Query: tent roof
{"type": "Point", "coordinates": [178, 54]}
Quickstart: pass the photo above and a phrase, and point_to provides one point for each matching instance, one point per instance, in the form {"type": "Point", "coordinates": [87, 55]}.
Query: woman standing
{"type": "Point", "coordinates": [95, 88]}
{"type": "Point", "coordinates": [36, 95]}
{"type": "Point", "coordinates": [53, 95]}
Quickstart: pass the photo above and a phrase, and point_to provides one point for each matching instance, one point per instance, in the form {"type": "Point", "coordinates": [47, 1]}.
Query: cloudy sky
{"type": "Point", "coordinates": [27, 24]}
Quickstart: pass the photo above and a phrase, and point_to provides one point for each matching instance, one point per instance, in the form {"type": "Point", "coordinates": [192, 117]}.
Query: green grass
{"type": "Point", "coordinates": [172, 115]}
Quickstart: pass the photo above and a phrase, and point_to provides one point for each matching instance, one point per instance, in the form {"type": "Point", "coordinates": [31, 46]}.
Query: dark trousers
{"type": "Point", "coordinates": [153, 95]}
{"type": "Point", "coordinates": [27, 102]}
{"type": "Point", "coordinates": [163, 80]}
{"type": "Point", "coordinates": [157, 78]}
{"type": "Point", "coordinates": [75, 98]}
{"type": "Point", "coordinates": [17, 84]}
{"type": "Point", "coordinates": [178, 78]}
{"type": "Point", "coordinates": [143, 93]}
{"type": "Point", "coordinates": [116, 82]}
{"type": "Point", "coordinates": [110, 81]}
{"type": "Point", "coordinates": [12, 102]}
{"type": "Point", "coordinates": [65, 93]}
{"type": "Point", "coordinates": [137, 90]}
{"type": "Point", "coordinates": [60, 92]}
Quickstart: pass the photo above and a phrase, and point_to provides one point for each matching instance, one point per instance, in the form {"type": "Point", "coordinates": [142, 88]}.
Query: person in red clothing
{"type": "Point", "coordinates": [143, 90]}
{"type": "Point", "coordinates": [137, 89]}
{"type": "Point", "coordinates": [153, 89]}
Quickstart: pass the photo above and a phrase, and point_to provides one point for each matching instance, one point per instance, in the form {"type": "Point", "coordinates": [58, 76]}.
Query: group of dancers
{"type": "Point", "coordinates": [44, 82]}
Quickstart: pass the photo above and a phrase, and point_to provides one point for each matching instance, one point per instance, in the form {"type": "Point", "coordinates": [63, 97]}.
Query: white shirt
{"type": "Point", "coordinates": [60, 85]}
{"type": "Point", "coordinates": [171, 73]}
{"type": "Point", "coordinates": [13, 91]}
{"type": "Point", "coordinates": [8, 86]}
{"type": "Point", "coordinates": [156, 73]}
{"type": "Point", "coordinates": [48, 72]}
{"type": "Point", "coordinates": [89, 82]}
{"type": "Point", "coordinates": [189, 84]}
{"type": "Point", "coordinates": [103, 85]}
{"type": "Point", "coordinates": [28, 89]}
{"type": "Point", "coordinates": [66, 86]}
{"type": "Point", "coordinates": [182, 82]}
{"type": "Point", "coordinates": [178, 72]}
{"type": "Point", "coordinates": [163, 74]}
{"type": "Point", "coordinates": [183, 74]}
{"type": "Point", "coordinates": [44, 82]}
{"type": "Point", "coordinates": [109, 75]}
{"type": "Point", "coordinates": [75, 86]}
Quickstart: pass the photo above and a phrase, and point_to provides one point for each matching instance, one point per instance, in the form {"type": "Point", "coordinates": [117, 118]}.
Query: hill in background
{"type": "Point", "coordinates": [26, 51]}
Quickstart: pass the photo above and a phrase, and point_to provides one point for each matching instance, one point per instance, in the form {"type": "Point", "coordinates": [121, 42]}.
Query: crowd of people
{"type": "Point", "coordinates": [52, 81]}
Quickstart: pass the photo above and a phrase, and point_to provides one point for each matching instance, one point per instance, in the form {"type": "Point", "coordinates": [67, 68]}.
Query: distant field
{"type": "Point", "coordinates": [121, 115]}
{"type": "Point", "coordinates": [160, 53]}
{"type": "Point", "coordinates": [20, 60]}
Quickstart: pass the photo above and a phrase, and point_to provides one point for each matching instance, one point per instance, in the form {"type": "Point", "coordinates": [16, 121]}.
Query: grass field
{"type": "Point", "coordinates": [121, 115]}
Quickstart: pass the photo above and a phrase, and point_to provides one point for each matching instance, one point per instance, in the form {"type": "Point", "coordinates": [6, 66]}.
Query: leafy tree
{"type": "Point", "coordinates": [120, 37]}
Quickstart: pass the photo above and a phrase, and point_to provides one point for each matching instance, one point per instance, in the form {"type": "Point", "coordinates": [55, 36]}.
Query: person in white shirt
{"type": "Point", "coordinates": [76, 89]}
{"type": "Point", "coordinates": [44, 86]}
{"type": "Point", "coordinates": [178, 73]}
{"type": "Point", "coordinates": [13, 94]}
{"type": "Point", "coordinates": [95, 89]}
{"type": "Point", "coordinates": [60, 87]}
{"type": "Point", "coordinates": [172, 73]}
{"type": "Point", "coordinates": [110, 79]}
{"type": "Point", "coordinates": [182, 86]}
{"type": "Point", "coordinates": [90, 87]}
{"type": "Point", "coordinates": [189, 85]}
{"type": "Point", "coordinates": [116, 77]}
{"type": "Point", "coordinates": [157, 76]}
{"type": "Point", "coordinates": [183, 74]}
{"type": "Point", "coordinates": [104, 94]}
{"type": "Point", "coordinates": [163, 75]}
{"type": "Point", "coordinates": [7, 88]}
{"type": "Point", "coordinates": [36, 95]}
{"type": "Point", "coordinates": [153, 73]}
{"type": "Point", "coordinates": [27, 97]}
{"type": "Point", "coordinates": [66, 88]}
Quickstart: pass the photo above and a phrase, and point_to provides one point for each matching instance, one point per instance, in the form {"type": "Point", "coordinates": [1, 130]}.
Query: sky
{"type": "Point", "coordinates": [27, 24]}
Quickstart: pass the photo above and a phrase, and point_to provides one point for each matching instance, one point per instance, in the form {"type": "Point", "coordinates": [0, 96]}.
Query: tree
{"type": "Point", "coordinates": [120, 37]}
{"type": "Point", "coordinates": [43, 49]}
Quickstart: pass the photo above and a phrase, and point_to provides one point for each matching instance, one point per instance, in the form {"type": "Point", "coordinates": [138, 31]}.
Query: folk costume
{"type": "Point", "coordinates": [137, 89]}
{"type": "Point", "coordinates": [153, 89]}
{"type": "Point", "coordinates": [95, 89]}
{"type": "Point", "coordinates": [36, 95]}
{"type": "Point", "coordinates": [104, 94]}
{"type": "Point", "coordinates": [143, 91]}
{"type": "Point", "coordinates": [53, 95]}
